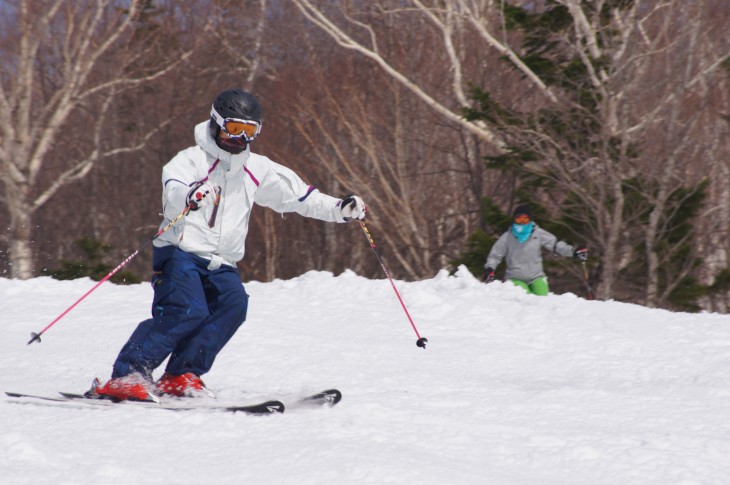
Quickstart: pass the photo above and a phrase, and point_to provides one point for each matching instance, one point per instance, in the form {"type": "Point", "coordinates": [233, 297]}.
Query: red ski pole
{"type": "Point", "coordinates": [422, 341]}
{"type": "Point", "coordinates": [37, 336]}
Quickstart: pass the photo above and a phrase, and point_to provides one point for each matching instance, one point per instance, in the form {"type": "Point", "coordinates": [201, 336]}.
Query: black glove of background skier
{"type": "Point", "coordinates": [488, 275]}
{"type": "Point", "coordinates": [581, 253]}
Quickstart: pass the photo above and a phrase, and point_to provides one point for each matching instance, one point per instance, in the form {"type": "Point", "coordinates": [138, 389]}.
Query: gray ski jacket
{"type": "Point", "coordinates": [524, 261]}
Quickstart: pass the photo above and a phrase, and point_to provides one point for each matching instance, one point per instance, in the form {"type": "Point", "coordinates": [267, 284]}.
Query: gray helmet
{"type": "Point", "coordinates": [237, 103]}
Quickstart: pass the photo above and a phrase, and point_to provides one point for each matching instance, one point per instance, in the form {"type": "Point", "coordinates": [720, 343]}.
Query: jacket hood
{"type": "Point", "coordinates": [227, 160]}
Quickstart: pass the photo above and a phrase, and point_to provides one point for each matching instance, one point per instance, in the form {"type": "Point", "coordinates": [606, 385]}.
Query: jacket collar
{"type": "Point", "coordinates": [227, 161]}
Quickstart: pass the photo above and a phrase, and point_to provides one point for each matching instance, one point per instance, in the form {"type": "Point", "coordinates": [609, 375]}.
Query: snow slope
{"type": "Point", "coordinates": [512, 389]}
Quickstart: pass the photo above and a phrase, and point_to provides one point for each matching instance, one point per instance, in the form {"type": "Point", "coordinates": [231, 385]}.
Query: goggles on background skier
{"type": "Point", "coordinates": [237, 128]}
{"type": "Point", "coordinates": [522, 219]}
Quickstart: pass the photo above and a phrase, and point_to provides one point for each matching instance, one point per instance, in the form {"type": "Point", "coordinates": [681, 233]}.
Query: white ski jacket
{"type": "Point", "coordinates": [218, 233]}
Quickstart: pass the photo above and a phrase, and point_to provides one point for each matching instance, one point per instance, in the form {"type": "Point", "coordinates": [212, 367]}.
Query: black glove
{"type": "Point", "coordinates": [581, 253]}
{"type": "Point", "coordinates": [352, 207]}
{"type": "Point", "coordinates": [488, 275]}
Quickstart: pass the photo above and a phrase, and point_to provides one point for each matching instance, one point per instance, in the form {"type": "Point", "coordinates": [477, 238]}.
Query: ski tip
{"type": "Point", "coordinates": [275, 407]}
{"type": "Point", "coordinates": [268, 407]}
{"type": "Point", "coordinates": [329, 397]}
{"type": "Point", "coordinates": [333, 396]}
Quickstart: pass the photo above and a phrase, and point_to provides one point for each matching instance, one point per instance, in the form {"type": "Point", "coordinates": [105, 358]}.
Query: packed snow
{"type": "Point", "coordinates": [511, 389]}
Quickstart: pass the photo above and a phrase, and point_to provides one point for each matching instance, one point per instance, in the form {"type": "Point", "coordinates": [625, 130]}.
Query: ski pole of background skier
{"type": "Point", "coordinates": [37, 336]}
{"type": "Point", "coordinates": [422, 341]}
{"type": "Point", "coordinates": [586, 280]}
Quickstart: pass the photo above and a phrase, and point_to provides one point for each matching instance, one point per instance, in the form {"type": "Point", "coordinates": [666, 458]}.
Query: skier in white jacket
{"type": "Point", "coordinates": [199, 300]}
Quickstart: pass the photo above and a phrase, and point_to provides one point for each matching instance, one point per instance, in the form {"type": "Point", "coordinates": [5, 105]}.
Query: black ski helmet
{"type": "Point", "coordinates": [234, 103]}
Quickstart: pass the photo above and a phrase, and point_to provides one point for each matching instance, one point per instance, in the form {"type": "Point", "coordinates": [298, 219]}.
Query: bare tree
{"type": "Point", "coordinates": [691, 60]}
{"type": "Point", "coordinates": [60, 58]}
{"type": "Point", "coordinates": [378, 109]}
{"type": "Point", "coordinates": [621, 48]}
{"type": "Point", "coordinates": [451, 19]}
{"type": "Point", "coordinates": [361, 130]}
{"type": "Point", "coordinates": [653, 96]}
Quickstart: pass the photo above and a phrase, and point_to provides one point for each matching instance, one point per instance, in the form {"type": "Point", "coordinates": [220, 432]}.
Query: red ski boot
{"type": "Point", "coordinates": [185, 385]}
{"type": "Point", "coordinates": [133, 387]}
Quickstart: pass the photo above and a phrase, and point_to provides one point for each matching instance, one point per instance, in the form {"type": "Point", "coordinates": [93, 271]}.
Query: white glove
{"type": "Point", "coordinates": [201, 195]}
{"type": "Point", "coordinates": [352, 207]}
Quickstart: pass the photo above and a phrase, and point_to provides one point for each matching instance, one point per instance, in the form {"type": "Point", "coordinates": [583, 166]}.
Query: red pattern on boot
{"type": "Point", "coordinates": [184, 385]}
{"type": "Point", "coordinates": [124, 388]}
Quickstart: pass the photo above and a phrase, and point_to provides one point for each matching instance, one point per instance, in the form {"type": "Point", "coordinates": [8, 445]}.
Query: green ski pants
{"type": "Point", "coordinates": [538, 287]}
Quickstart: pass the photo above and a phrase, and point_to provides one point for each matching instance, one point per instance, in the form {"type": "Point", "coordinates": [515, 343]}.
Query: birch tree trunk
{"type": "Point", "coordinates": [618, 48]}
{"type": "Point", "coordinates": [67, 57]}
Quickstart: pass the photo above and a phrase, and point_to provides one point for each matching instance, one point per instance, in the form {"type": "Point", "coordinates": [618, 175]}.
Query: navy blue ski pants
{"type": "Point", "coordinates": [195, 311]}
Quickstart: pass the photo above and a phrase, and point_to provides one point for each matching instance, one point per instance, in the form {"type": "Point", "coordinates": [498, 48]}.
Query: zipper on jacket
{"type": "Point", "coordinates": [211, 221]}
{"type": "Point", "coordinates": [222, 187]}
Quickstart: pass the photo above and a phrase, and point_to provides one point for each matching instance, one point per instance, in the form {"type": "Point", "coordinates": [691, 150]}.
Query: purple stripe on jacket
{"type": "Point", "coordinates": [309, 191]}
{"type": "Point", "coordinates": [255, 180]}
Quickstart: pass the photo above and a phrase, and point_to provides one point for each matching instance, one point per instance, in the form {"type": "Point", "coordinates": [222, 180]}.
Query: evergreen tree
{"type": "Point", "coordinates": [92, 267]}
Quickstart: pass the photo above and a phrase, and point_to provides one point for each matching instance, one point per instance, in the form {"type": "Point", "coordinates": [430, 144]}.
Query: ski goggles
{"type": "Point", "coordinates": [522, 219]}
{"type": "Point", "coordinates": [236, 127]}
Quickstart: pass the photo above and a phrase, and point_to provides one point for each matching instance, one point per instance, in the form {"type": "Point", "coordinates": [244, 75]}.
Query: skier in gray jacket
{"type": "Point", "coordinates": [521, 246]}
